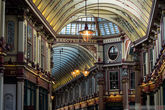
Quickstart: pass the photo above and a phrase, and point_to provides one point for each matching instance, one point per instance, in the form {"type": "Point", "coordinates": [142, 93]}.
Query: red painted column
{"type": "Point", "coordinates": [101, 93]}
{"type": "Point", "coordinates": [125, 81]}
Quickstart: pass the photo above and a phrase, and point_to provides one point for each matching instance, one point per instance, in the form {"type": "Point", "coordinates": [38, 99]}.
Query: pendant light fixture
{"type": "Point", "coordinates": [85, 72]}
{"type": "Point", "coordinates": [86, 33]}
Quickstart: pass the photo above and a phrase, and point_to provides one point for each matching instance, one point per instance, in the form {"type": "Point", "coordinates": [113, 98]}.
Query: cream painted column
{"type": "Point", "coordinates": [161, 97]}
{"type": "Point", "coordinates": [125, 93]}
{"type": "Point", "coordinates": [20, 94]}
{"type": "Point", "coordinates": [158, 99]}
{"type": "Point", "coordinates": [2, 17]}
{"type": "Point", "coordinates": [137, 89]}
{"type": "Point", "coordinates": [123, 48]}
{"type": "Point", "coordinates": [1, 90]}
{"type": "Point", "coordinates": [155, 100]}
{"type": "Point", "coordinates": [37, 97]}
{"type": "Point", "coordinates": [148, 102]}
{"type": "Point", "coordinates": [49, 101]}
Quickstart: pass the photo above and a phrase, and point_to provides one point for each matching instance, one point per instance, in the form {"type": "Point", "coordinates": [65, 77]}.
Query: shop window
{"type": "Point", "coordinates": [71, 95]}
{"type": "Point", "coordinates": [90, 86]}
{"type": "Point", "coordinates": [30, 94]}
{"type": "Point", "coordinates": [83, 89]}
{"type": "Point", "coordinates": [29, 45]}
{"type": "Point", "coordinates": [77, 92]}
{"type": "Point", "coordinates": [43, 99]}
{"type": "Point", "coordinates": [10, 33]}
{"type": "Point", "coordinates": [132, 80]}
{"type": "Point", "coordinates": [144, 63]}
{"type": "Point", "coordinates": [93, 85]}
{"type": "Point", "coordinates": [114, 80]}
{"type": "Point", "coordinates": [66, 97]}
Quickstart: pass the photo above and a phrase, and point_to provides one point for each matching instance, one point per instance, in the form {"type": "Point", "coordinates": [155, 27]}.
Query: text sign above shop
{"type": "Point", "coordinates": [68, 40]}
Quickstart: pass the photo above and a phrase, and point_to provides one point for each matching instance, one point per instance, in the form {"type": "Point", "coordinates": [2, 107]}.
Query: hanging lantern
{"type": "Point", "coordinates": [52, 97]}
{"type": "Point", "coordinates": [77, 71]}
{"type": "Point", "coordinates": [73, 74]}
{"type": "Point", "coordinates": [85, 73]}
{"type": "Point", "coordinates": [86, 33]}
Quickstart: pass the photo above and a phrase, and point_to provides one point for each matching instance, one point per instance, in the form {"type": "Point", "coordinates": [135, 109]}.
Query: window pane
{"type": "Point", "coordinates": [10, 33]}
{"type": "Point", "coordinates": [29, 32]}
{"type": "Point", "coordinates": [114, 80]}
{"type": "Point", "coordinates": [132, 80]}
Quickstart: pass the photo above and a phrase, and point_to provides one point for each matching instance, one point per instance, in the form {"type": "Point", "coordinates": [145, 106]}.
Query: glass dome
{"type": "Point", "coordinates": [106, 27]}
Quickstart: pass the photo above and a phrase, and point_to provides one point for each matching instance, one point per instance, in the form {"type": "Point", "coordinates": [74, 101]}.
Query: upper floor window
{"type": "Point", "coordinates": [10, 33]}
{"type": "Point", "coordinates": [144, 63]}
{"type": "Point", "coordinates": [34, 47]}
{"type": "Point", "coordinates": [163, 30]}
{"type": "Point", "coordinates": [132, 80]}
{"type": "Point", "coordinates": [151, 60]}
{"type": "Point", "coordinates": [42, 54]}
{"type": "Point", "coordinates": [29, 42]}
{"type": "Point", "coordinates": [114, 80]}
{"type": "Point", "coordinates": [25, 39]}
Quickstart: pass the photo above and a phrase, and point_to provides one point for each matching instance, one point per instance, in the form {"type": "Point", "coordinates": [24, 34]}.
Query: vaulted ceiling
{"type": "Point", "coordinates": [132, 16]}
{"type": "Point", "coordinates": [66, 58]}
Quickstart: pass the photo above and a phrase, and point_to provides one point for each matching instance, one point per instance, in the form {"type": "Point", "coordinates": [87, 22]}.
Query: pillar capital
{"type": "Point", "coordinates": [100, 81]}
{"type": "Point", "coordinates": [21, 18]}
{"type": "Point", "coordinates": [20, 79]}
{"type": "Point", "coordinates": [1, 74]}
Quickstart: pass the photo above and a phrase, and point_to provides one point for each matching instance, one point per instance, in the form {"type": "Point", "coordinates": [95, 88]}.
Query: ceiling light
{"type": "Point", "coordinates": [85, 73]}
{"type": "Point", "coordinates": [86, 33]}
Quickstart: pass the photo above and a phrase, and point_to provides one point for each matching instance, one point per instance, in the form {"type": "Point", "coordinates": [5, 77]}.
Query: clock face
{"type": "Point", "coordinates": [113, 53]}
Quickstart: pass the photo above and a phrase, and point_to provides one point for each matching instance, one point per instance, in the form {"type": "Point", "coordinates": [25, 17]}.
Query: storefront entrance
{"type": "Point", "coordinates": [114, 106]}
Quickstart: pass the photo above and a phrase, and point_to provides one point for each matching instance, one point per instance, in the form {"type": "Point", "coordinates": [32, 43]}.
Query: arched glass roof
{"type": "Point", "coordinates": [66, 58]}
{"type": "Point", "coordinates": [132, 16]}
{"type": "Point", "coordinates": [105, 27]}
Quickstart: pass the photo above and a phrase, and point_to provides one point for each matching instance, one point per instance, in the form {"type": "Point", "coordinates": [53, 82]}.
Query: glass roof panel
{"type": "Point", "coordinates": [106, 27]}
{"type": "Point", "coordinates": [68, 57]}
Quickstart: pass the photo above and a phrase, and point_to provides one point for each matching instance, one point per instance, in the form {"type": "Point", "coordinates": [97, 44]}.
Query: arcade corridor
{"type": "Point", "coordinates": [82, 54]}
